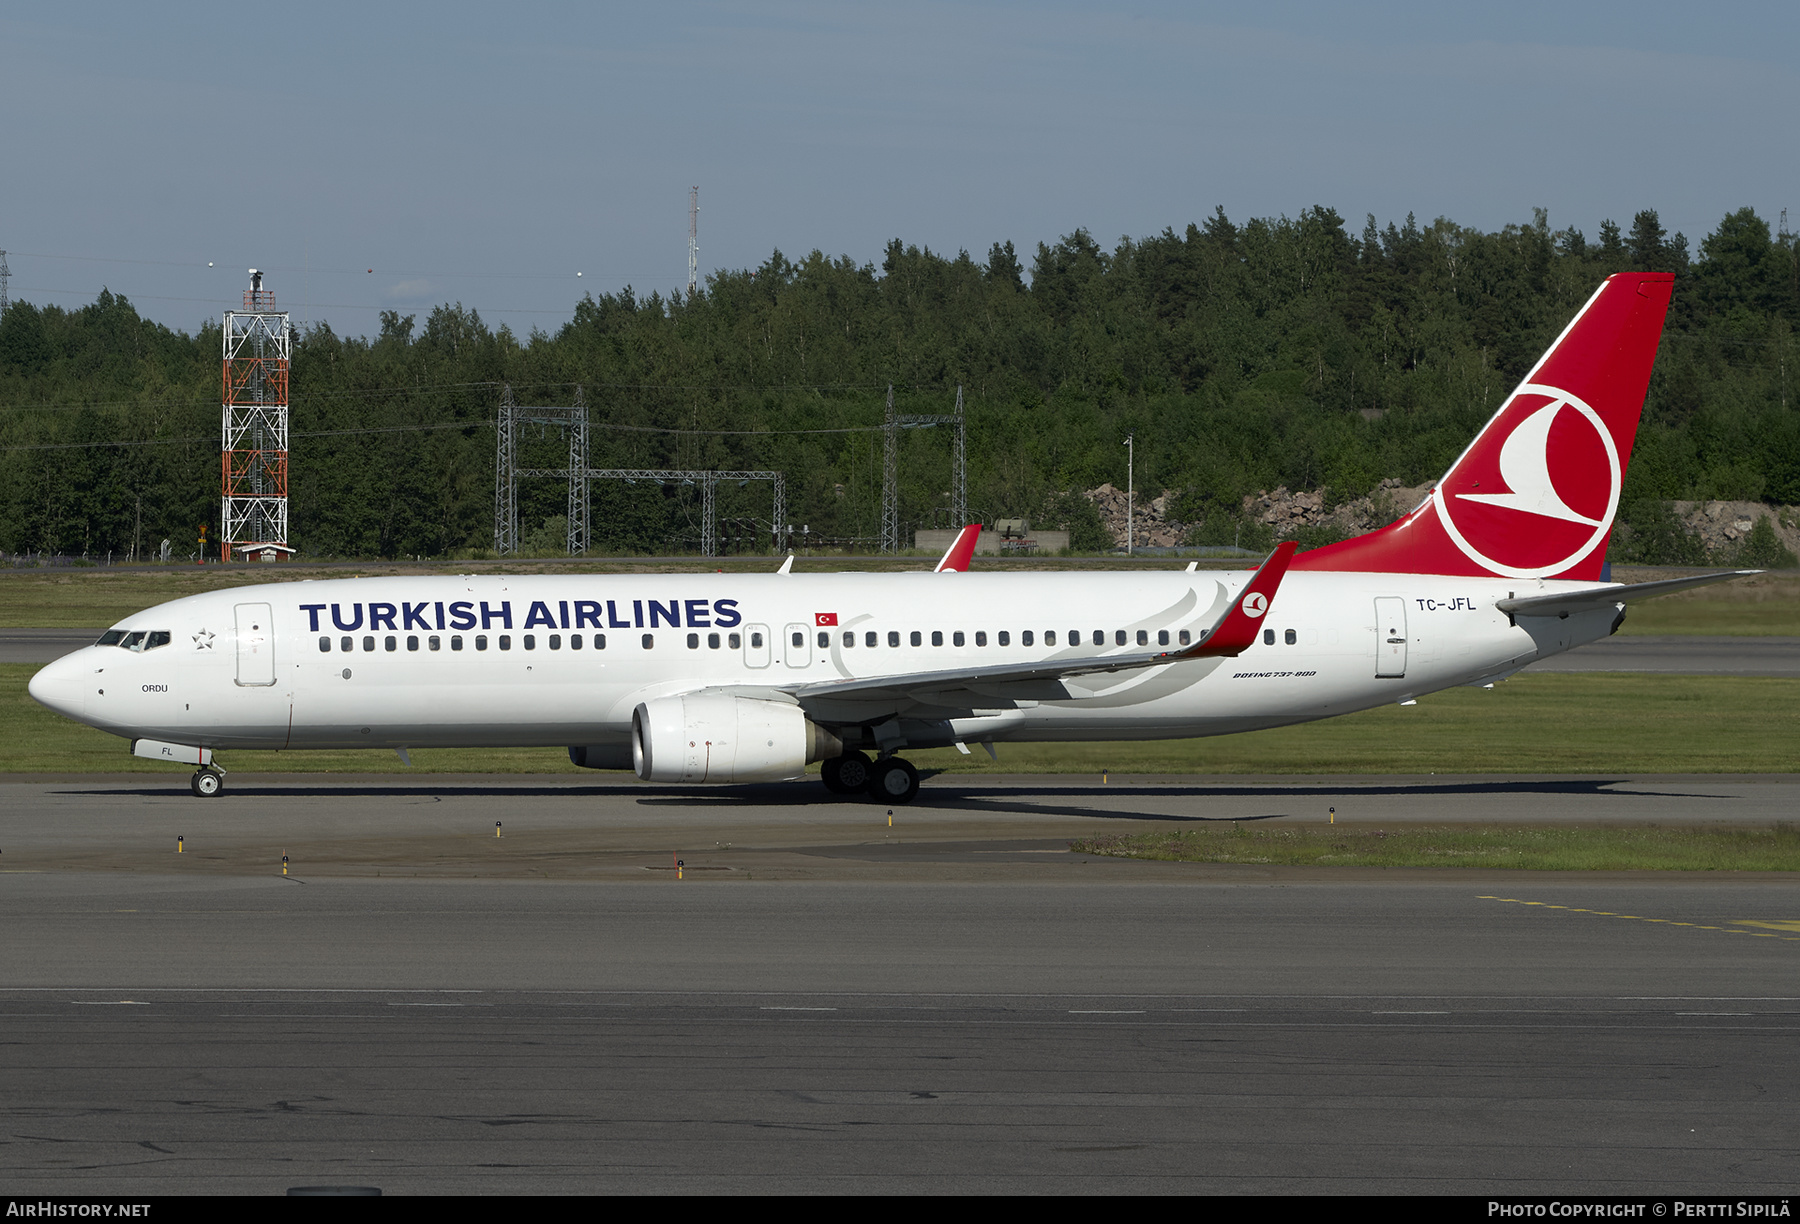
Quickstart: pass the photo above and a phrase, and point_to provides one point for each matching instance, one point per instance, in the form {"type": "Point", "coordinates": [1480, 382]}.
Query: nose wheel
{"type": "Point", "coordinates": [206, 784]}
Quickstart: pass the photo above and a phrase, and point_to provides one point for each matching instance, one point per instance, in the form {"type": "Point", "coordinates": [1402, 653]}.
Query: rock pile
{"type": "Point", "coordinates": [1722, 525]}
{"type": "Point", "coordinates": [1288, 512]}
{"type": "Point", "coordinates": [1151, 525]}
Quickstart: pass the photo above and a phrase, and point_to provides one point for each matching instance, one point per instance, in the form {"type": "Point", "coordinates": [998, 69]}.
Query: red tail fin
{"type": "Point", "coordinates": [1535, 494]}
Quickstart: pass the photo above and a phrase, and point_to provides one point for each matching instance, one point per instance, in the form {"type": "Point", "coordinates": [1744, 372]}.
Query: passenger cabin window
{"type": "Point", "coordinates": [893, 637]}
{"type": "Point", "coordinates": [481, 641]}
{"type": "Point", "coordinates": [824, 639]}
{"type": "Point", "coordinates": [956, 639]}
{"type": "Point", "coordinates": [712, 641]}
{"type": "Point", "coordinates": [1118, 637]}
{"type": "Point", "coordinates": [693, 641]}
{"type": "Point", "coordinates": [735, 641]}
{"type": "Point", "coordinates": [756, 641]}
{"type": "Point", "coordinates": [849, 637]}
{"type": "Point", "coordinates": [1268, 637]}
{"type": "Point", "coordinates": [937, 637]}
{"type": "Point", "coordinates": [916, 638]}
{"type": "Point", "coordinates": [369, 643]}
{"type": "Point", "coordinates": [435, 642]}
{"type": "Point", "coordinates": [412, 641]}
{"type": "Point", "coordinates": [599, 641]}
{"type": "Point", "coordinates": [324, 645]}
{"type": "Point", "coordinates": [555, 641]}
{"type": "Point", "coordinates": [1162, 637]}
{"type": "Point", "coordinates": [870, 639]}
{"type": "Point", "coordinates": [506, 641]}
{"type": "Point", "coordinates": [1143, 637]}
{"type": "Point", "coordinates": [456, 641]}
{"type": "Point", "coordinates": [530, 642]}
{"type": "Point", "coordinates": [981, 637]}
{"type": "Point", "coordinates": [1049, 638]}
{"type": "Point", "coordinates": [574, 641]}
{"type": "Point", "coordinates": [649, 641]}
{"type": "Point", "coordinates": [1183, 639]}
{"type": "Point", "coordinates": [1290, 637]}
{"type": "Point", "coordinates": [1005, 639]}
{"type": "Point", "coordinates": [347, 645]}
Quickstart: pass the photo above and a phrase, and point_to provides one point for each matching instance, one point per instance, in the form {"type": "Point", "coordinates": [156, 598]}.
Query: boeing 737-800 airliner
{"type": "Point", "coordinates": [742, 678]}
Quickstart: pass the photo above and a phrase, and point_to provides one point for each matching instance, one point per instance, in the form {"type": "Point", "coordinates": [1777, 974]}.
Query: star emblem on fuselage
{"type": "Point", "coordinates": [203, 640]}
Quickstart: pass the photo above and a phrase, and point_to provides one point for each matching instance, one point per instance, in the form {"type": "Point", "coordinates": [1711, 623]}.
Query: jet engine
{"type": "Point", "coordinates": [717, 737]}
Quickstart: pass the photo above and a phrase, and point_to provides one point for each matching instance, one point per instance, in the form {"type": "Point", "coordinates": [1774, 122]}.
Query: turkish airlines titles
{"type": "Point", "coordinates": [566, 614]}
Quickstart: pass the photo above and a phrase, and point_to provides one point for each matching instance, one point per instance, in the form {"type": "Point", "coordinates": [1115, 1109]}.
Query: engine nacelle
{"type": "Point", "coordinates": [715, 737]}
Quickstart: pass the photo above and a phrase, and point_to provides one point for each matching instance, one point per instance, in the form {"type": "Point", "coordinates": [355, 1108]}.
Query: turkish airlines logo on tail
{"type": "Point", "coordinates": [1538, 490]}
{"type": "Point", "coordinates": [1255, 604]}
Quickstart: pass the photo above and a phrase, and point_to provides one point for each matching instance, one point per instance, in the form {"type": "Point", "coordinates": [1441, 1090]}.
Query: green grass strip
{"type": "Point", "coordinates": [1531, 848]}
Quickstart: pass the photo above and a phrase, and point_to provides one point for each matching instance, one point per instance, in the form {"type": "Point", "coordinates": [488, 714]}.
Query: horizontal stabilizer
{"type": "Point", "coordinates": [1571, 602]}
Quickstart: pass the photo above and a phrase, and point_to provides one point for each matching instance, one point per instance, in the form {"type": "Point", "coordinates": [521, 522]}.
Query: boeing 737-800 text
{"type": "Point", "coordinates": [742, 678]}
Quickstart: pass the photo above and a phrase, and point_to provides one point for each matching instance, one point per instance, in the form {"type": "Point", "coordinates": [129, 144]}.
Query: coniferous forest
{"type": "Point", "coordinates": [1294, 352]}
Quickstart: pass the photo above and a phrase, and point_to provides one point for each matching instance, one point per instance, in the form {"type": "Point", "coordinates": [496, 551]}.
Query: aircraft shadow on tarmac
{"type": "Point", "coordinates": [1021, 797]}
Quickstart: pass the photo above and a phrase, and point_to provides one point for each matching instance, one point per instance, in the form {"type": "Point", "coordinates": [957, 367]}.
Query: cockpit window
{"type": "Point", "coordinates": [158, 637]}
{"type": "Point", "coordinates": [110, 637]}
{"type": "Point", "coordinates": [133, 640]}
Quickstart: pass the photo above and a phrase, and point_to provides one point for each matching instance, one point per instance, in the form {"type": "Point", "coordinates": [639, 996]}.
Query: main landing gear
{"type": "Point", "coordinates": [890, 778]}
{"type": "Point", "coordinates": [207, 783]}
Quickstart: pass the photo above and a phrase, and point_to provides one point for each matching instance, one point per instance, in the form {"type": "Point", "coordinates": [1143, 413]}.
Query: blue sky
{"type": "Point", "coordinates": [488, 154]}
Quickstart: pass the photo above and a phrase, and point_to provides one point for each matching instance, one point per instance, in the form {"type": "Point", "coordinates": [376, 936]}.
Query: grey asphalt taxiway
{"type": "Point", "coordinates": [822, 1002]}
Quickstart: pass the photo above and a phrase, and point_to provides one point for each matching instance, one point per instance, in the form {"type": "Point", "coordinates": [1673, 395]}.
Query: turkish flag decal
{"type": "Point", "coordinates": [824, 618]}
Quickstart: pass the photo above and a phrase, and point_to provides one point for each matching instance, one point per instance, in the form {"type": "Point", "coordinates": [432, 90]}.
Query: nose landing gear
{"type": "Point", "coordinates": [206, 783]}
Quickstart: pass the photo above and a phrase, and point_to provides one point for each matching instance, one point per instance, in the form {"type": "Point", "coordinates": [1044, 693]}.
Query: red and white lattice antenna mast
{"type": "Point", "coordinates": [254, 491]}
{"type": "Point", "coordinates": [693, 240]}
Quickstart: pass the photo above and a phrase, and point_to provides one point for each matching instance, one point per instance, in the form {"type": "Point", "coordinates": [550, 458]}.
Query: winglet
{"type": "Point", "coordinates": [787, 567]}
{"type": "Point", "coordinates": [1237, 629]}
{"type": "Point", "coordinates": [956, 557]}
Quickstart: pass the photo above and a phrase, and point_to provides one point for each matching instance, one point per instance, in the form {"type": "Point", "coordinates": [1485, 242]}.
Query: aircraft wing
{"type": "Point", "coordinates": [1234, 632]}
{"type": "Point", "coordinates": [1608, 596]}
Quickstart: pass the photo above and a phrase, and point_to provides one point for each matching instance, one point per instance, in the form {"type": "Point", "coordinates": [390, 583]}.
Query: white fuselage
{"type": "Point", "coordinates": [488, 660]}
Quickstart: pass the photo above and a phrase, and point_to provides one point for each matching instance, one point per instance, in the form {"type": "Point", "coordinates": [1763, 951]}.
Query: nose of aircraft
{"type": "Point", "coordinates": [63, 685]}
